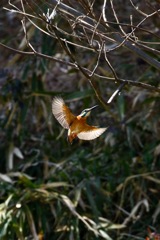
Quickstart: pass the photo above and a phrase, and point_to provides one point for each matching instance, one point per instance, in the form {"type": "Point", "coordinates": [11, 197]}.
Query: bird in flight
{"type": "Point", "coordinates": [76, 125]}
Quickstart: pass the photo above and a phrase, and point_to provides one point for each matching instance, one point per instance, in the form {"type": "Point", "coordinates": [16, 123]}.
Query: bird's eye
{"type": "Point", "coordinates": [83, 113]}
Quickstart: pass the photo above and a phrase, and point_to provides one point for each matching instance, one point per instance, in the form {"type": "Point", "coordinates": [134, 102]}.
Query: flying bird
{"type": "Point", "coordinates": [76, 125]}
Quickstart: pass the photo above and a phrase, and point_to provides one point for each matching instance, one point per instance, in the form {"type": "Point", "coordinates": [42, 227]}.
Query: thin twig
{"type": "Point", "coordinates": [97, 64]}
{"type": "Point", "coordinates": [115, 15]}
{"type": "Point", "coordinates": [109, 64]}
{"type": "Point", "coordinates": [89, 24]}
{"type": "Point", "coordinates": [104, 13]}
{"type": "Point", "coordinates": [137, 9]}
{"type": "Point", "coordinates": [120, 80]}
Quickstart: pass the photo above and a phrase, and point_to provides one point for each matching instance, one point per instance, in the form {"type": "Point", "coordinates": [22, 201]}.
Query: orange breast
{"type": "Point", "coordinates": [76, 127]}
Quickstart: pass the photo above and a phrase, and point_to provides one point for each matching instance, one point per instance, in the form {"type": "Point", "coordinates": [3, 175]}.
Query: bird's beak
{"type": "Point", "coordinates": [88, 111]}
{"type": "Point", "coordinates": [92, 107]}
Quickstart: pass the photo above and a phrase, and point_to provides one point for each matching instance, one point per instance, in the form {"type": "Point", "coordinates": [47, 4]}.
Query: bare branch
{"type": "Point", "coordinates": [115, 15]}
{"type": "Point", "coordinates": [109, 64]}
{"type": "Point", "coordinates": [104, 13]}
{"type": "Point", "coordinates": [97, 64]}
{"type": "Point", "coordinates": [120, 80]}
{"type": "Point", "coordinates": [92, 32]}
{"type": "Point", "coordinates": [138, 10]}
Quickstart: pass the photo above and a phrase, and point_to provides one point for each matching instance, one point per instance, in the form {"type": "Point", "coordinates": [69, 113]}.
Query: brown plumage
{"type": "Point", "coordinates": [76, 125]}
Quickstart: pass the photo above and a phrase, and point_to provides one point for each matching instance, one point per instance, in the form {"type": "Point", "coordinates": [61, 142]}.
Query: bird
{"type": "Point", "coordinates": [76, 125]}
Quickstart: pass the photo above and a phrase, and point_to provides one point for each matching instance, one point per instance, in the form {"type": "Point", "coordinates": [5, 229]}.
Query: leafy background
{"type": "Point", "coordinates": [103, 189]}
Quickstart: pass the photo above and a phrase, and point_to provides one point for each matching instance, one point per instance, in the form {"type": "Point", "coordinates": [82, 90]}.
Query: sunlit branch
{"type": "Point", "coordinates": [104, 13]}
{"type": "Point", "coordinates": [118, 90]}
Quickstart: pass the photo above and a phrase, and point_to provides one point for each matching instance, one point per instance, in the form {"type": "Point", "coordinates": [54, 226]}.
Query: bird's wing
{"type": "Point", "coordinates": [62, 113]}
{"type": "Point", "coordinates": [91, 133]}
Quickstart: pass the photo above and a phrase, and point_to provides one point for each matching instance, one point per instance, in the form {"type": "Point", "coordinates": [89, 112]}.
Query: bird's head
{"type": "Point", "coordinates": [86, 112]}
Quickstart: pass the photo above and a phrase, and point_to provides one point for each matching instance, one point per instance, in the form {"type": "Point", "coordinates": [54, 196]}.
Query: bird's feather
{"type": "Point", "coordinates": [62, 113]}
{"type": "Point", "coordinates": [91, 133]}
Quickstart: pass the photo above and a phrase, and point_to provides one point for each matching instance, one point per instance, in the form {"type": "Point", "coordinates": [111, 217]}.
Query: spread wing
{"type": "Point", "coordinates": [91, 133]}
{"type": "Point", "coordinates": [62, 113]}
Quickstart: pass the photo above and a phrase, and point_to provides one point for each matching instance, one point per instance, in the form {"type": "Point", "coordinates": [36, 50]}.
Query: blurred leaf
{"type": "Point", "coordinates": [157, 150]}
{"type": "Point", "coordinates": [77, 95]}
{"type": "Point", "coordinates": [156, 213]}
{"type": "Point", "coordinates": [55, 185]}
{"type": "Point", "coordinates": [6, 178]}
{"type": "Point", "coordinates": [20, 175]}
{"type": "Point", "coordinates": [10, 156]}
{"type": "Point", "coordinates": [152, 179]}
{"type": "Point", "coordinates": [31, 223]}
{"type": "Point", "coordinates": [91, 200]}
{"type": "Point", "coordinates": [4, 227]}
{"type": "Point", "coordinates": [121, 106]}
{"type": "Point", "coordinates": [104, 235]}
{"type": "Point", "coordinates": [18, 153]}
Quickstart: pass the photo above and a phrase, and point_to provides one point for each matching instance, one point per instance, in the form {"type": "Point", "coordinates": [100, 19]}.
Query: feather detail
{"type": "Point", "coordinates": [91, 134]}
{"type": "Point", "coordinates": [62, 113]}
